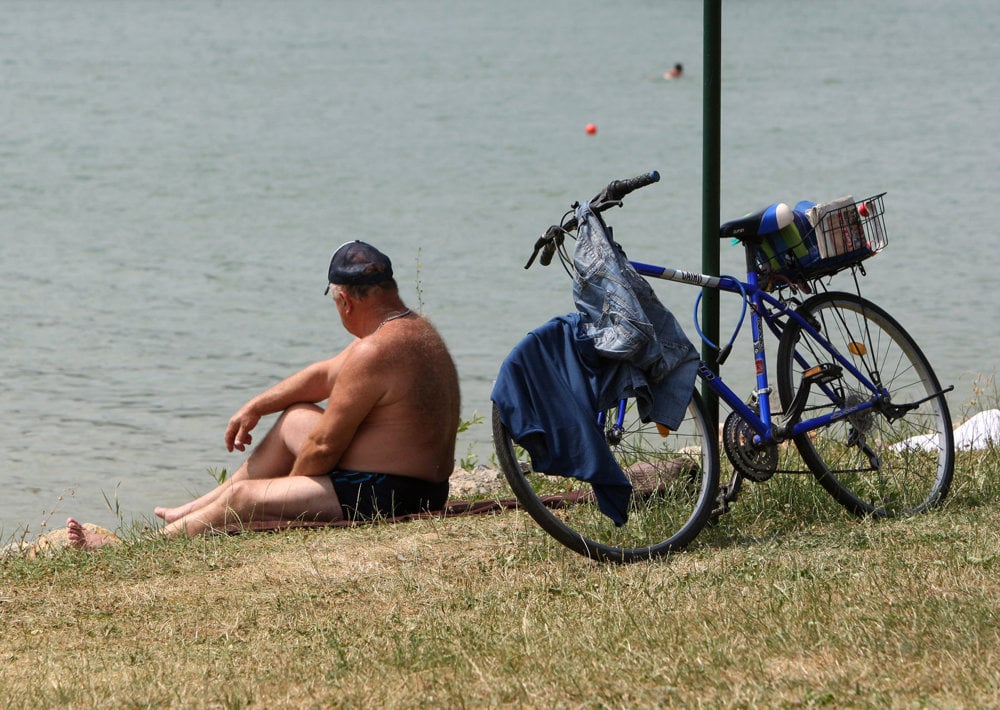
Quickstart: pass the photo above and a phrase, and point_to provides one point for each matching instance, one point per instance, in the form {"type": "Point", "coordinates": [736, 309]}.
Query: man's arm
{"type": "Point", "coordinates": [360, 385]}
{"type": "Point", "coordinates": [311, 384]}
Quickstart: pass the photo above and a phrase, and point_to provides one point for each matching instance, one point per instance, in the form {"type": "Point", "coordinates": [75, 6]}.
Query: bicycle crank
{"type": "Point", "coordinates": [754, 461]}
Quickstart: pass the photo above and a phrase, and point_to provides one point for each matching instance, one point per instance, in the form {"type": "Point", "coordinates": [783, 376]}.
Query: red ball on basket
{"type": "Point", "coordinates": [863, 209]}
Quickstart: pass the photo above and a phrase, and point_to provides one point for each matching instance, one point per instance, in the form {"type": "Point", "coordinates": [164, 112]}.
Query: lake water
{"type": "Point", "coordinates": [174, 177]}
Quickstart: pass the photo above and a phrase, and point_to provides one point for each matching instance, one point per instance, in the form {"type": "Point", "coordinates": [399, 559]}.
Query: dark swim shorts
{"type": "Point", "coordinates": [365, 496]}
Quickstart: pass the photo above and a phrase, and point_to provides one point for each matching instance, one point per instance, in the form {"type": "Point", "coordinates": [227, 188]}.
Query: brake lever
{"type": "Point", "coordinates": [539, 244]}
{"type": "Point", "coordinates": [547, 244]}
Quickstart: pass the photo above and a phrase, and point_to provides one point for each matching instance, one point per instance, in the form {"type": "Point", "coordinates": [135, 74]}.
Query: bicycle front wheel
{"type": "Point", "coordinates": [894, 459]}
{"type": "Point", "coordinates": [675, 483]}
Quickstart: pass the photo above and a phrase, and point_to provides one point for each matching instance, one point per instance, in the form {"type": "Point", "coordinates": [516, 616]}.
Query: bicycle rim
{"type": "Point", "coordinates": [886, 461]}
{"type": "Point", "coordinates": [675, 481]}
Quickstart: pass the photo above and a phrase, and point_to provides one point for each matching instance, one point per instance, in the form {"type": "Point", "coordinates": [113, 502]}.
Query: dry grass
{"type": "Point", "coordinates": [787, 602]}
{"type": "Point", "coordinates": [796, 611]}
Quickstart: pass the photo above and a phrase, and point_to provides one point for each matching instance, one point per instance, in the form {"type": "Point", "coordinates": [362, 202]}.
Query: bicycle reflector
{"type": "Point", "coordinates": [857, 348]}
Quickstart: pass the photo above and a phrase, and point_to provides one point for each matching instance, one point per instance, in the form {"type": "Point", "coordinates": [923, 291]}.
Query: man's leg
{"type": "Point", "coordinates": [270, 500]}
{"type": "Point", "coordinates": [272, 458]}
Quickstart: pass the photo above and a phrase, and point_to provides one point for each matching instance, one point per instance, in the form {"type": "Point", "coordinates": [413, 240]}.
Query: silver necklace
{"type": "Point", "coordinates": [401, 314]}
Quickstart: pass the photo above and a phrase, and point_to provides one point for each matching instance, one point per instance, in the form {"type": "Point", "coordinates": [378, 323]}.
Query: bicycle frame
{"type": "Point", "coordinates": [764, 309]}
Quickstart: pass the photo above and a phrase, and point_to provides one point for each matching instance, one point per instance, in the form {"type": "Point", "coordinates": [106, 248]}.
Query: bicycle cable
{"type": "Point", "coordinates": [739, 323]}
{"type": "Point", "coordinates": [565, 260]}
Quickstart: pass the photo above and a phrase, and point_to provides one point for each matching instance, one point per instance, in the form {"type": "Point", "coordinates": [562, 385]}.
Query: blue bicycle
{"type": "Point", "coordinates": [855, 394]}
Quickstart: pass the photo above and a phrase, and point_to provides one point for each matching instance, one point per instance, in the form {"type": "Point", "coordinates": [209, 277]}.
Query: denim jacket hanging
{"type": "Point", "coordinates": [629, 324]}
{"type": "Point", "coordinates": [622, 343]}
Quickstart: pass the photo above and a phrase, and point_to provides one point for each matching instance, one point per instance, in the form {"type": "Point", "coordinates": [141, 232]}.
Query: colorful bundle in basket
{"type": "Point", "coordinates": [821, 239]}
{"type": "Point", "coordinates": [787, 250]}
{"type": "Point", "coordinates": [837, 226]}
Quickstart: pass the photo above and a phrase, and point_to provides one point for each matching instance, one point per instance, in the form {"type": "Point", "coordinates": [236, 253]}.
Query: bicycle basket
{"type": "Point", "coordinates": [822, 240]}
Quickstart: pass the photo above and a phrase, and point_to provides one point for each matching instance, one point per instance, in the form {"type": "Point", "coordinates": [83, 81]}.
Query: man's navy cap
{"type": "Point", "coordinates": [358, 263]}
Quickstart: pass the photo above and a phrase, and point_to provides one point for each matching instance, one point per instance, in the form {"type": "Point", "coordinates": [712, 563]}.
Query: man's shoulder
{"type": "Point", "coordinates": [362, 360]}
{"type": "Point", "coordinates": [370, 349]}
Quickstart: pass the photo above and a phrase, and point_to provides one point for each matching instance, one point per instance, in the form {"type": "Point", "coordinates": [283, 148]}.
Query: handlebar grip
{"type": "Point", "coordinates": [617, 189]}
{"type": "Point", "coordinates": [547, 253]}
{"type": "Point", "coordinates": [553, 239]}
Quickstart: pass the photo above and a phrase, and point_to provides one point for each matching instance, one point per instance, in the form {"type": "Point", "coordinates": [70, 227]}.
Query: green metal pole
{"type": "Point", "coordinates": [710, 189]}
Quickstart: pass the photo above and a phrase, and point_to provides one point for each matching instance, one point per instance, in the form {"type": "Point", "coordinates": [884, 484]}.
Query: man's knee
{"type": "Point", "coordinates": [242, 497]}
{"type": "Point", "coordinates": [298, 415]}
{"type": "Point", "coordinates": [296, 423]}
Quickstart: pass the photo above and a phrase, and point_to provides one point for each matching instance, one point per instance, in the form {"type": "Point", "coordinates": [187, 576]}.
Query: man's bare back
{"type": "Point", "coordinates": [410, 430]}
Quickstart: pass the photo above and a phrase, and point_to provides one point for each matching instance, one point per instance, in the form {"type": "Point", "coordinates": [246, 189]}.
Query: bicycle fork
{"type": "Point", "coordinates": [616, 431]}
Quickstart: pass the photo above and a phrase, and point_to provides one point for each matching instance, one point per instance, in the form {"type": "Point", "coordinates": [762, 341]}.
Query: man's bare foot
{"type": "Point", "coordinates": [169, 515]}
{"type": "Point", "coordinates": [83, 539]}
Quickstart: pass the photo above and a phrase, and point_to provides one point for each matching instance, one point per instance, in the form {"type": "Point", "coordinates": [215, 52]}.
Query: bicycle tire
{"type": "Point", "coordinates": [873, 463]}
{"type": "Point", "coordinates": [676, 486]}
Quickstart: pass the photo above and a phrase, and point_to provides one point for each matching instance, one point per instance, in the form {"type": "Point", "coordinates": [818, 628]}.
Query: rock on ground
{"type": "Point", "coordinates": [480, 481]}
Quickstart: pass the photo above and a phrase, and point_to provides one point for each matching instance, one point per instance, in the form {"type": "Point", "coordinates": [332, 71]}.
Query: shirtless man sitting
{"type": "Point", "coordinates": [383, 446]}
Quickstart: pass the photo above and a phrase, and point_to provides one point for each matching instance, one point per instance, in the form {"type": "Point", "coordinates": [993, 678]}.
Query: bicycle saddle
{"type": "Point", "coordinates": [766, 221]}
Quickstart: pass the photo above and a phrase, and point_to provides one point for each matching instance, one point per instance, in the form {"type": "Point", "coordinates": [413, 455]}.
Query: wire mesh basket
{"type": "Point", "coordinates": [826, 238]}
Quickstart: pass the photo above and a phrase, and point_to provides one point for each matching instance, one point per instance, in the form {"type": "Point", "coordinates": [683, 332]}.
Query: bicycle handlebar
{"type": "Point", "coordinates": [617, 189]}
{"type": "Point", "coordinates": [613, 194]}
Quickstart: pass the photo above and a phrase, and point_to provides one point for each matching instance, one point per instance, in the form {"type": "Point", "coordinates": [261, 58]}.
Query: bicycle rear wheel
{"type": "Point", "coordinates": [675, 481]}
{"type": "Point", "coordinates": [887, 461]}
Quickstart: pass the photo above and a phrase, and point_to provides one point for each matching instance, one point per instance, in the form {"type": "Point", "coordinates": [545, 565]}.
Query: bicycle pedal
{"type": "Point", "coordinates": [822, 373]}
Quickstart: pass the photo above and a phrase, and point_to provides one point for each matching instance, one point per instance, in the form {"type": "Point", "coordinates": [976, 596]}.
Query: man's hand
{"type": "Point", "coordinates": [238, 432]}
